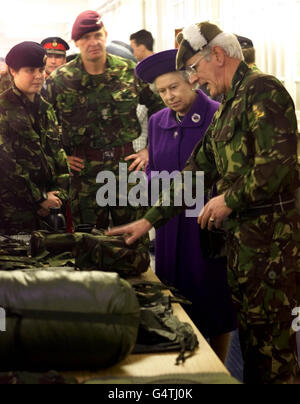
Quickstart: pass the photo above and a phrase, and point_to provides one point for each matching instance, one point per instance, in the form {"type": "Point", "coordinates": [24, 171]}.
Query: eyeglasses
{"type": "Point", "coordinates": [191, 70]}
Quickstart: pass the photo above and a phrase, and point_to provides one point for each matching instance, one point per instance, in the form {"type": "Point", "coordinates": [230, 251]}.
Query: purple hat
{"type": "Point", "coordinates": [156, 65]}
{"type": "Point", "coordinates": [86, 22]}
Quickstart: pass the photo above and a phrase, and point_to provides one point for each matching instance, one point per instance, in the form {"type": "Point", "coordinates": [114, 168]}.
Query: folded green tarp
{"type": "Point", "coordinates": [66, 320]}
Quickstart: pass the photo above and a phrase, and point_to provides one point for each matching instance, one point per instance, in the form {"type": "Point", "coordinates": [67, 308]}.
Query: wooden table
{"type": "Point", "coordinates": [204, 360]}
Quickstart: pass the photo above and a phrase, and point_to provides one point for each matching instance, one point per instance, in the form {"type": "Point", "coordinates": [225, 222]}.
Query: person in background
{"type": "Point", "coordinates": [142, 43]}
{"type": "Point", "coordinates": [35, 172]}
{"type": "Point", "coordinates": [56, 49]}
{"type": "Point", "coordinates": [173, 134]}
{"type": "Point", "coordinates": [250, 153]}
{"type": "Point", "coordinates": [121, 49]}
{"type": "Point", "coordinates": [96, 97]}
{"type": "Point", "coordinates": [141, 156]}
{"type": "Point", "coordinates": [3, 66]}
{"type": "Point", "coordinates": [249, 52]}
{"type": "Point", "coordinates": [5, 79]}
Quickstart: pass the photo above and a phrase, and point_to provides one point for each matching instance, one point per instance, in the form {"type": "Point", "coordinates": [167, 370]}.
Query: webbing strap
{"type": "Point", "coordinates": [94, 318]}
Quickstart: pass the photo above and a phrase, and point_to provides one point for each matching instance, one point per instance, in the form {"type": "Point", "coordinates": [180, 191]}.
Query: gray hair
{"type": "Point", "coordinates": [229, 43]}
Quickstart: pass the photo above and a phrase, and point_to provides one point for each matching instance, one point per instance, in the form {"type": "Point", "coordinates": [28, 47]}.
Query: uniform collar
{"type": "Point", "coordinates": [238, 77]}
{"type": "Point", "coordinates": [114, 66]}
{"type": "Point", "coordinates": [195, 118]}
{"type": "Point", "coordinates": [40, 104]}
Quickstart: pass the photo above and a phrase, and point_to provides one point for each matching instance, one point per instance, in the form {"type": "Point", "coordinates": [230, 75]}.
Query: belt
{"type": "Point", "coordinates": [279, 204]}
{"type": "Point", "coordinates": [114, 154]}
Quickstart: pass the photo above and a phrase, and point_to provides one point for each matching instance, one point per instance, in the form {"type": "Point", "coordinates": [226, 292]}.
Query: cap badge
{"type": "Point", "coordinates": [196, 118]}
{"type": "Point", "coordinates": [55, 44]}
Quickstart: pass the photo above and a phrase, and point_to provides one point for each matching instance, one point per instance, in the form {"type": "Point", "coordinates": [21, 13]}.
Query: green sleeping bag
{"type": "Point", "coordinates": [66, 320]}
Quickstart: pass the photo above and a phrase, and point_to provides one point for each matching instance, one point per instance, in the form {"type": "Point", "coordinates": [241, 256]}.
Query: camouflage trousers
{"type": "Point", "coordinates": [85, 209]}
{"type": "Point", "coordinates": [264, 275]}
{"type": "Point", "coordinates": [14, 220]}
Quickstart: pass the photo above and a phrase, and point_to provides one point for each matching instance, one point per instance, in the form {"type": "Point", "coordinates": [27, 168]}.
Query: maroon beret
{"type": "Point", "coordinates": [88, 21]}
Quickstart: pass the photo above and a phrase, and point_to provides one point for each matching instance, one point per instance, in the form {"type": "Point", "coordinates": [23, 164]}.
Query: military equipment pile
{"type": "Point", "coordinates": [69, 308]}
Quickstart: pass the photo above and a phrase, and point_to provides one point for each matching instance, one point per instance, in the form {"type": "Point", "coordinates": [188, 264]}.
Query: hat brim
{"type": "Point", "coordinates": [156, 65]}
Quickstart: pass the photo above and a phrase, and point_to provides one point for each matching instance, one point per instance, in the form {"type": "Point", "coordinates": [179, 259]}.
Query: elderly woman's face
{"type": "Point", "coordinates": [176, 92]}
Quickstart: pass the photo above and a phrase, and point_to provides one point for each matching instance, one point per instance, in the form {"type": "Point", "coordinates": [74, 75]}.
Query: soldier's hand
{"type": "Point", "coordinates": [214, 213]}
{"type": "Point", "coordinates": [131, 232]}
{"type": "Point", "coordinates": [76, 163]}
{"type": "Point", "coordinates": [53, 201]}
{"type": "Point", "coordinates": [141, 160]}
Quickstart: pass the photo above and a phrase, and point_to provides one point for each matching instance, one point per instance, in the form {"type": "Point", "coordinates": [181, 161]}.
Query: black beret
{"type": "Point", "coordinates": [26, 54]}
{"type": "Point", "coordinates": [245, 43]}
{"type": "Point", "coordinates": [55, 45]}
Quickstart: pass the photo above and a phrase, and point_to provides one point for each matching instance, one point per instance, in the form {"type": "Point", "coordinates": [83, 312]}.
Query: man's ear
{"type": "Point", "coordinates": [76, 44]}
{"type": "Point", "coordinates": [220, 55]}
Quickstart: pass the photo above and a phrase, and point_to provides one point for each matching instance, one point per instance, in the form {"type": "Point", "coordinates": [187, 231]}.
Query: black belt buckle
{"type": "Point", "coordinates": [108, 155]}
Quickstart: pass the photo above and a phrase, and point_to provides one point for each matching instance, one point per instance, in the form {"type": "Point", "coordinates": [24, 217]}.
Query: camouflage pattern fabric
{"type": "Point", "coordinates": [92, 252]}
{"type": "Point", "coordinates": [99, 113]}
{"type": "Point", "coordinates": [5, 82]}
{"type": "Point", "coordinates": [250, 152]}
{"type": "Point", "coordinates": [33, 161]}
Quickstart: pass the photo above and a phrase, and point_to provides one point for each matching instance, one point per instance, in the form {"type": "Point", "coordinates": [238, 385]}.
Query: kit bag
{"type": "Point", "coordinates": [66, 320]}
{"type": "Point", "coordinates": [93, 252]}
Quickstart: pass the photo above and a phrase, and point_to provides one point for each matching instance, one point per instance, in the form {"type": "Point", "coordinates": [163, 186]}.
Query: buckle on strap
{"type": "Point", "coordinates": [108, 155]}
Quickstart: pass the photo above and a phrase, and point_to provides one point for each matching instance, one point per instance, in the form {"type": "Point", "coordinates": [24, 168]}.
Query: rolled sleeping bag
{"type": "Point", "coordinates": [66, 320]}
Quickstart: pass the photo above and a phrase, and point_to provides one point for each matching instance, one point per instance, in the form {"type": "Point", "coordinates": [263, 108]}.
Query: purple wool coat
{"type": "Point", "coordinates": [179, 260]}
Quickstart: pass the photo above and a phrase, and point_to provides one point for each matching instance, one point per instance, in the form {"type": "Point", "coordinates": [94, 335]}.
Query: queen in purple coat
{"type": "Point", "coordinates": [173, 134]}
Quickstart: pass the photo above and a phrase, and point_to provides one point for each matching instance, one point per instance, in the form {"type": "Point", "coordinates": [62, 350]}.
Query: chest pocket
{"type": "Point", "coordinates": [73, 109]}
{"type": "Point", "coordinates": [126, 101]}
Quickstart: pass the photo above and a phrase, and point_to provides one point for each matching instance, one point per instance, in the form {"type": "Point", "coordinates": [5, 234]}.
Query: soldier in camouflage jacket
{"type": "Point", "coordinates": [5, 82]}
{"type": "Point", "coordinates": [98, 113]}
{"type": "Point", "coordinates": [35, 172]}
{"type": "Point", "coordinates": [250, 153]}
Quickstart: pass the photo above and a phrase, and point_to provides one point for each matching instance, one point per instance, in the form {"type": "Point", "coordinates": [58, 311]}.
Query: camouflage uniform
{"type": "Point", "coordinates": [32, 161]}
{"type": "Point", "coordinates": [249, 151]}
{"type": "Point", "coordinates": [97, 113]}
{"type": "Point", "coordinates": [5, 82]}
